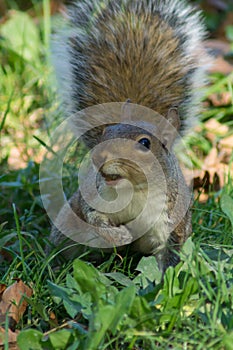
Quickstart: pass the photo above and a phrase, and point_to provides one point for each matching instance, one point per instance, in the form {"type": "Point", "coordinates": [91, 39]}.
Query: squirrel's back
{"type": "Point", "coordinates": [148, 51]}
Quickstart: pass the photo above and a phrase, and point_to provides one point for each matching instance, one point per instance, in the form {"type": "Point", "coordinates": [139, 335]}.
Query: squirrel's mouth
{"type": "Point", "coordinates": [111, 179]}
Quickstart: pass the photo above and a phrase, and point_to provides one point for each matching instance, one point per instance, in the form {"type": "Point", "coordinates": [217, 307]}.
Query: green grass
{"type": "Point", "coordinates": [122, 302]}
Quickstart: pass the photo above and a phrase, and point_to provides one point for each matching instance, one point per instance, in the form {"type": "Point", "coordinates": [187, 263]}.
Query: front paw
{"type": "Point", "coordinates": [122, 235]}
{"type": "Point", "coordinates": [97, 219]}
{"type": "Point", "coordinates": [116, 236]}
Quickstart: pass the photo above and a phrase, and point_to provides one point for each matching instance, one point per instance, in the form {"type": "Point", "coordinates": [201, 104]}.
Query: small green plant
{"type": "Point", "coordinates": [113, 311]}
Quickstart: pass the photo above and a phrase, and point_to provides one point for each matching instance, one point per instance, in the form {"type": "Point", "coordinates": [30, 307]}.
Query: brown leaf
{"type": "Point", "coordinates": [53, 319]}
{"type": "Point", "coordinates": [2, 288]}
{"type": "Point", "coordinates": [225, 147]}
{"type": "Point", "coordinates": [219, 49]}
{"type": "Point", "coordinates": [227, 142]}
{"type": "Point", "coordinates": [216, 165]}
{"type": "Point", "coordinates": [212, 125]}
{"type": "Point", "coordinates": [216, 182]}
{"type": "Point", "coordinates": [203, 197]}
{"type": "Point", "coordinates": [220, 65]}
{"type": "Point", "coordinates": [11, 337]}
{"type": "Point", "coordinates": [217, 171]}
{"type": "Point", "coordinates": [211, 160]}
{"type": "Point", "coordinates": [221, 98]}
{"type": "Point", "coordinates": [12, 302]}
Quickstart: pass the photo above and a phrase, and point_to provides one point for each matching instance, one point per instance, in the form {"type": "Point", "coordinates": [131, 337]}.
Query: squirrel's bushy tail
{"type": "Point", "coordinates": [148, 51]}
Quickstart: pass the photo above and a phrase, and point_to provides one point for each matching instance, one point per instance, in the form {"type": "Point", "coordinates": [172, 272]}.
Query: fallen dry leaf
{"type": "Point", "coordinates": [212, 125]}
{"type": "Point", "coordinates": [227, 142]}
{"type": "Point", "coordinates": [218, 49]}
{"type": "Point", "coordinates": [2, 288]}
{"type": "Point", "coordinates": [220, 98]}
{"type": "Point", "coordinates": [211, 160]}
{"type": "Point", "coordinates": [10, 336]}
{"type": "Point", "coordinates": [213, 173]}
{"type": "Point", "coordinates": [214, 130]}
{"type": "Point", "coordinates": [13, 304]}
{"type": "Point", "coordinates": [216, 165]}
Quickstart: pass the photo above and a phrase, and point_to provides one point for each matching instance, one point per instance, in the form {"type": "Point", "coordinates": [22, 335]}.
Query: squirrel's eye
{"type": "Point", "coordinates": [145, 142]}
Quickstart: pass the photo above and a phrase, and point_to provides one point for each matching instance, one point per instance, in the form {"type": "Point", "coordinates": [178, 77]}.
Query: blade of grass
{"type": "Point", "coordinates": [44, 145]}
{"type": "Point", "coordinates": [6, 342]}
{"type": "Point", "coordinates": [20, 238]}
{"type": "Point", "coordinates": [6, 111]}
{"type": "Point", "coordinates": [218, 86]}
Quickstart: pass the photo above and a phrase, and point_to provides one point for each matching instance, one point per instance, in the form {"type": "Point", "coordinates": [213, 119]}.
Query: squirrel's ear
{"type": "Point", "coordinates": [173, 118]}
{"type": "Point", "coordinates": [169, 127]}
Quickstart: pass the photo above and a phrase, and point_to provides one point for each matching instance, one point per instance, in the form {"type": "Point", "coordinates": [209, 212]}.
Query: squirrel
{"type": "Point", "coordinates": [142, 55]}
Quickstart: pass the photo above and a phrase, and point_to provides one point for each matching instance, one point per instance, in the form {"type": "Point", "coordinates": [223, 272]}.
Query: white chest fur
{"type": "Point", "coordinates": [143, 213]}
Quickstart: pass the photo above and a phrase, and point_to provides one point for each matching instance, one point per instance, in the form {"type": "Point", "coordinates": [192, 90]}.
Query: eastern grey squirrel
{"type": "Point", "coordinates": [149, 53]}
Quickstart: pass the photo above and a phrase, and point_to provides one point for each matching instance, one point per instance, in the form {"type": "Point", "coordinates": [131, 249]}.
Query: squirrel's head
{"type": "Point", "coordinates": [132, 151]}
